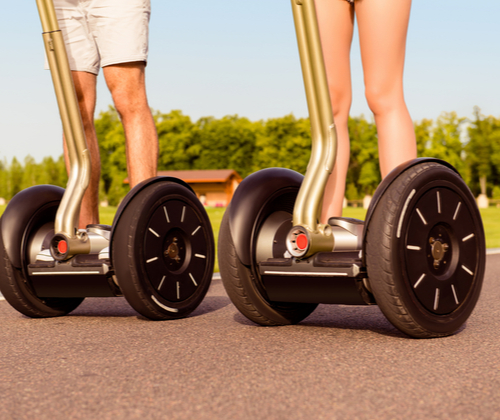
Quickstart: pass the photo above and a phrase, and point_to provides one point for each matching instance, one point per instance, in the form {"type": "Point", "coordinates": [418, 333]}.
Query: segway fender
{"type": "Point", "coordinates": [18, 214]}
{"type": "Point", "coordinates": [249, 199]}
{"type": "Point", "coordinates": [387, 181]}
{"type": "Point", "coordinates": [136, 190]}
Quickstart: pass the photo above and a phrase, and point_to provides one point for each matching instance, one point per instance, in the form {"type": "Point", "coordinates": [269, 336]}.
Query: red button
{"type": "Point", "coordinates": [62, 247]}
{"type": "Point", "coordinates": [301, 241]}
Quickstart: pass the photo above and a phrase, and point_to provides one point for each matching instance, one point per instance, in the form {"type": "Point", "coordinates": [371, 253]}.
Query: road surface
{"type": "Point", "coordinates": [103, 361]}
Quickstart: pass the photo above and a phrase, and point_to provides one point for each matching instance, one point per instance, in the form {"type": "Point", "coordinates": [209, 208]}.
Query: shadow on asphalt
{"type": "Point", "coordinates": [119, 308]}
{"type": "Point", "coordinates": [344, 318]}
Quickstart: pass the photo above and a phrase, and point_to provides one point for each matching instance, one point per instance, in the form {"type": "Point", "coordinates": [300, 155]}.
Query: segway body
{"type": "Point", "coordinates": [419, 255]}
{"type": "Point", "coordinates": [159, 253]}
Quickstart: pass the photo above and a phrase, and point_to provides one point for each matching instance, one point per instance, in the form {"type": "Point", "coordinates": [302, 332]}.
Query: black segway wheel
{"type": "Point", "coordinates": [163, 251]}
{"type": "Point", "coordinates": [425, 251]}
{"type": "Point", "coordinates": [15, 283]}
{"type": "Point", "coordinates": [243, 284]}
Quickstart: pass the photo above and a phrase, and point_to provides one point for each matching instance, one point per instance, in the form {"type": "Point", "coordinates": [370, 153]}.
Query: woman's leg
{"type": "Point", "coordinates": [336, 22]}
{"type": "Point", "coordinates": [383, 26]}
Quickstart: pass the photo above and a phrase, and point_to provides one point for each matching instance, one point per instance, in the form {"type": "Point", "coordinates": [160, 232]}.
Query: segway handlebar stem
{"type": "Point", "coordinates": [307, 208]}
{"type": "Point", "coordinates": [66, 221]}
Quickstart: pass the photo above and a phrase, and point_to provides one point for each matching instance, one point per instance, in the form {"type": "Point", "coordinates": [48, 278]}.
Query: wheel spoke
{"type": "Point", "coordinates": [166, 214]}
{"type": "Point", "coordinates": [457, 210]}
{"type": "Point", "coordinates": [419, 281]}
{"type": "Point", "coordinates": [413, 248]}
{"type": "Point", "coordinates": [436, 300]}
{"type": "Point", "coordinates": [154, 233]}
{"type": "Point", "coordinates": [467, 270]}
{"type": "Point", "coordinates": [455, 294]}
{"type": "Point", "coordinates": [421, 217]}
{"type": "Point", "coordinates": [468, 237]}
{"type": "Point", "coordinates": [192, 278]}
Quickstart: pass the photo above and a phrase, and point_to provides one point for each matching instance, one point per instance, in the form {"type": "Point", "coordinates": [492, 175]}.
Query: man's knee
{"type": "Point", "coordinates": [129, 101]}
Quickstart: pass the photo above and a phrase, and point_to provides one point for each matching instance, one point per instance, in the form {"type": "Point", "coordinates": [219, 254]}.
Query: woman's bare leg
{"type": "Point", "coordinates": [336, 23]}
{"type": "Point", "coordinates": [383, 26]}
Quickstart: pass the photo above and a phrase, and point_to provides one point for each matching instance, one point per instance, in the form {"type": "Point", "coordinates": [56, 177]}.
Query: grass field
{"type": "Point", "coordinates": [490, 216]}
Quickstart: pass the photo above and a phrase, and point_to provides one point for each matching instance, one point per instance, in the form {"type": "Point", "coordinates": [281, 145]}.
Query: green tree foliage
{"type": "Point", "coordinates": [445, 141]}
{"type": "Point", "coordinates": [234, 142]}
{"type": "Point", "coordinates": [29, 173]}
{"type": "Point", "coordinates": [111, 137]}
{"type": "Point", "coordinates": [363, 175]}
{"type": "Point", "coordinates": [176, 137]}
{"type": "Point", "coordinates": [423, 133]}
{"type": "Point", "coordinates": [483, 153]}
{"type": "Point", "coordinates": [52, 172]}
{"type": "Point", "coordinates": [3, 180]}
{"type": "Point", "coordinates": [226, 143]}
{"type": "Point", "coordinates": [15, 178]}
{"type": "Point", "coordinates": [283, 142]}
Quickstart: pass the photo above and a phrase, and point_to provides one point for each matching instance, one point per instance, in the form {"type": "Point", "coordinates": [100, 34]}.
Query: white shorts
{"type": "Point", "coordinates": [100, 33]}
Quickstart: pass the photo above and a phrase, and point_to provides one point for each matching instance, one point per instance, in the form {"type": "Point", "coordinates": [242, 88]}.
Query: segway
{"type": "Point", "coordinates": [419, 255]}
{"type": "Point", "coordinates": [159, 252]}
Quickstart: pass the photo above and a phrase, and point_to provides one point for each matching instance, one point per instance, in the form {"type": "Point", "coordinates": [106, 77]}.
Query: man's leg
{"type": "Point", "coordinates": [85, 86]}
{"type": "Point", "coordinates": [126, 83]}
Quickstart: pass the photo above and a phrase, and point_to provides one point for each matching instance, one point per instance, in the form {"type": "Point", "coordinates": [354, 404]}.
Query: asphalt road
{"type": "Point", "coordinates": [105, 362]}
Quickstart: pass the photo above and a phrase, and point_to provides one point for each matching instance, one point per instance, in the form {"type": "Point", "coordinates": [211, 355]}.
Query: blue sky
{"type": "Point", "coordinates": [225, 57]}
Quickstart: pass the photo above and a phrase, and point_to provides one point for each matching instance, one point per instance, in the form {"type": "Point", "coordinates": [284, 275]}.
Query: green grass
{"type": "Point", "coordinates": [491, 221]}
{"type": "Point", "coordinates": [354, 212]}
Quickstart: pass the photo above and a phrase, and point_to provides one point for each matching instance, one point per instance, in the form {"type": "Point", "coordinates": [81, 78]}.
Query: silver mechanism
{"type": "Point", "coordinates": [297, 268]}
{"type": "Point", "coordinates": [43, 263]}
{"type": "Point", "coordinates": [348, 233]}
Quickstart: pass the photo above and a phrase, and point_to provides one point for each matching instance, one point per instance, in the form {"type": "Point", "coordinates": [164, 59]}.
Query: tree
{"type": "Point", "coordinates": [423, 133]}
{"type": "Point", "coordinates": [226, 143]}
{"type": "Point", "coordinates": [364, 169]}
{"type": "Point", "coordinates": [445, 142]}
{"type": "Point", "coordinates": [176, 137]}
{"type": "Point", "coordinates": [283, 142]}
{"type": "Point", "coordinates": [111, 138]}
{"type": "Point", "coordinates": [14, 178]}
{"type": "Point", "coordinates": [483, 152]}
{"type": "Point", "coordinates": [30, 173]}
{"type": "Point", "coordinates": [3, 180]}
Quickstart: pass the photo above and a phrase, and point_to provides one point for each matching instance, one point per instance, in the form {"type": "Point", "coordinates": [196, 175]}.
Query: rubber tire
{"type": "Point", "coordinates": [16, 288]}
{"type": "Point", "coordinates": [243, 290]}
{"type": "Point", "coordinates": [387, 268]}
{"type": "Point", "coordinates": [128, 252]}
